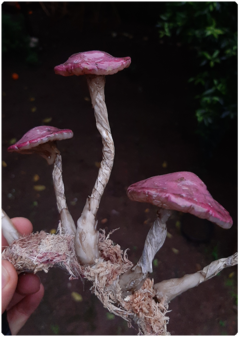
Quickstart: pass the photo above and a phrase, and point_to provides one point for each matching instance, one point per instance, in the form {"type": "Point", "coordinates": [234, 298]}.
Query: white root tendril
{"type": "Point", "coordinates": [87, 236]}
{"type": "Point", "coordinates": [169, 289]}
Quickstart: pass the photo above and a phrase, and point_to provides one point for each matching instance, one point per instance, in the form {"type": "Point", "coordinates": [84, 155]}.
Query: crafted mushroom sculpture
{"type": "Point", "coordinates": [95, 65]}
{"type": "Point", "coordinates": [123, 290]}
{"type": "Point", "coordinates": [42, 140]}
{"type": "Point", "coordinates": [180, 191]}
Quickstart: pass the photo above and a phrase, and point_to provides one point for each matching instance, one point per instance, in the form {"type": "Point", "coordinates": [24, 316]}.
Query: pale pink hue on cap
{"type": "Point", "coordinates": [92, 62]}
{"type": "Point", "coordinates": [40, 135]}
{"type": "Point", "coordinates": [181, 191]}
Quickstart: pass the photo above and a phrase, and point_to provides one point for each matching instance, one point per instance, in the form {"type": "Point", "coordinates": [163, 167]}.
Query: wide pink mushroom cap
{"type": "Point", "coordinates": [93, 62]}
{"type": "Point", "coordinates": [181, 191]}
{"type": "Point", "coordinates": [40, 135]}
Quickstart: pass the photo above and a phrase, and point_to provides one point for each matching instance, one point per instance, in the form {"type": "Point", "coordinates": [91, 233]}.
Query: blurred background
{"type": "Point", "coordinates": [174, 109]}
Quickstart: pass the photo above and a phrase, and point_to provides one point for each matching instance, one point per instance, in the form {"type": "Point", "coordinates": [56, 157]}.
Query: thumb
{"type": "Point", "coordinates": [9, 283]}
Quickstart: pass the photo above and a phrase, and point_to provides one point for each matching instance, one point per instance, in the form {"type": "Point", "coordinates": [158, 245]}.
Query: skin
{"type": "Point", "coordinates": [21, 294]}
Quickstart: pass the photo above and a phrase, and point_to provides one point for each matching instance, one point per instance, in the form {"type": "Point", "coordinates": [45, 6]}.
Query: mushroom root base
{"type": "Point", "coordinates": [41, 251]}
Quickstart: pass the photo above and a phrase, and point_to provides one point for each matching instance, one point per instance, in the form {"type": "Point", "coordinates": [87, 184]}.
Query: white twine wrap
{"type": "Point", "coordinates": [87, 236]}
{"type": "Point", "coordinates": [154, 241]}
{"type": "Point", "coordinates": [67, 222]}
{"type": "Point", "coordinates": [169, 289]}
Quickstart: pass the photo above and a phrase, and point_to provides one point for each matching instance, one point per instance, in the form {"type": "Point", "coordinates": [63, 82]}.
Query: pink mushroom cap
{"type": "Point", "coordinates": [93, 62]}
{"type": "Point", "coordinates": [181, 191]}
{"type": "Point", "coordinates": [40, 135]}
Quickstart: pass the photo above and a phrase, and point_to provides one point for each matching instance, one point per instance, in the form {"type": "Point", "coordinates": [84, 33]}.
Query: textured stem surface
{"type": "Point", "coordinates": [87, 236]}
{"type": "Point", "coordinates": [41, 251]}
{"type": "Point", "coordinates": [67, 222]}
{"type": "Point", "coordinates": [154, 240]}
{"type": "Point", "coordinates": [170, 289]}
{"type": "Point", "coordinates": [133, 279]}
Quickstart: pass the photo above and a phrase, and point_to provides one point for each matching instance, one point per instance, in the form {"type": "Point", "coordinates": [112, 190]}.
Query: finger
{"type": "Point", "coordinates": [9, 283]}
{"type": "Point", "coordinates": [23, 226]}
{"type": "Point", "coordinates": [27, 284]}
{"type": "Point", "coordinates": [19, 314]}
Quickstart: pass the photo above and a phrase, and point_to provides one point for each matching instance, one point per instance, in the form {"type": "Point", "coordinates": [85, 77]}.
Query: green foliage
{"type": "Point", "coordinates": [222, 323]}
{"type": "Point", "coordinates": [15, 40]}
{"type": "Point", "coordinates": [229, 283]}
{"type": "Point", "coordinates": [215, 252]}
{"type": "Point", "coordinates": [110, 316]}
{"type": "Point", "coordinates": [55, 329]}
{"type": "Point", "coordinates": [210, 28]}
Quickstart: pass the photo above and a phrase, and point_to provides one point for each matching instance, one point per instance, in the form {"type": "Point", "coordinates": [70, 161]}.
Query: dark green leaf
{"type": "Point", "coordinates": [215, 54]}
{"type": "Point", "coordinates": [209, 91]}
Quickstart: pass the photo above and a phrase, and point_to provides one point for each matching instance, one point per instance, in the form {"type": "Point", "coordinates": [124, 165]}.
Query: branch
{"type": "Point", "coordinates": [170, 289]}
{"type": "Point", "coordinates": [41, 251]}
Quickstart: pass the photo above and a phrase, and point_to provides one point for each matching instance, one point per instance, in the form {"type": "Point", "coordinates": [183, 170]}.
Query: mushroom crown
{"type": "Point", "coordinates": [40, 135]}
{"type": "Point", "coordinates": [93, 62]}
{"type": "Point", "coordinates": [181, 191]}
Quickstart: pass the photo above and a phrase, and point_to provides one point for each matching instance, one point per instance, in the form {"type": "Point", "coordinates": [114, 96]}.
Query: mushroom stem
{"type": "Point", "coordinates": [133, 279]}
{"type": "Point", "coordinates": [9, 231]}
{"type": "Point", "coordinates": [169, 289]}
{"type": "Point", "coordinates": [86, 240]}
{"type": "Point", "coordinates": [154, 240]}
{"type": "Point", "coordinates": [67, 222]}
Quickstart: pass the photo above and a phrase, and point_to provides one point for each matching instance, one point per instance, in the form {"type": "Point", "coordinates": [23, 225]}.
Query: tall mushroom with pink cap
{"type": "Point", "coordinates": [42, 140]}
{"type": "Point", "coordinates": [95, 65]}
{"type": "Point", "coordinates": [179, 191]}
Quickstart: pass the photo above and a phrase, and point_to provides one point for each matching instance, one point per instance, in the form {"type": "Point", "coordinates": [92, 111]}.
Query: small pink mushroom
{"type": "Point", "coordinates": [42, 140]}
{"type": "Point", "coordinates": [94, 65]}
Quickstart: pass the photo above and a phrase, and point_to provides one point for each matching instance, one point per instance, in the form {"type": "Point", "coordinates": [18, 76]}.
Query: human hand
{"type": "Point", "coordinates": [21, 294]}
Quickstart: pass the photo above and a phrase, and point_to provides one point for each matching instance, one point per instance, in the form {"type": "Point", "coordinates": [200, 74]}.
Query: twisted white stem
{"type": "Point", "coordinates": [67, 222]}
{"type": "Point", "coordinates": [170, 289]}
{"type": "Point", "coordinates": [86, 240]}
{"type": "Point", "coordinates": [154, 241]}
{"type": "Point", "coordinates": [134, 278]}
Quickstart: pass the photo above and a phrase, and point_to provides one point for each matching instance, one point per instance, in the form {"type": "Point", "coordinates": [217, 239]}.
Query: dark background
{"type": "Point", "coordinates": [152, 118]}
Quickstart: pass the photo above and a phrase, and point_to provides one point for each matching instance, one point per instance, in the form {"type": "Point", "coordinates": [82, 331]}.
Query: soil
{"type": "Point", "coordinates": [152, 122]}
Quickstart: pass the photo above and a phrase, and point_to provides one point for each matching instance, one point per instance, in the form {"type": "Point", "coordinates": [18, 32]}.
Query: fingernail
{"type": "Point", "coordinates": [5, 277]}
